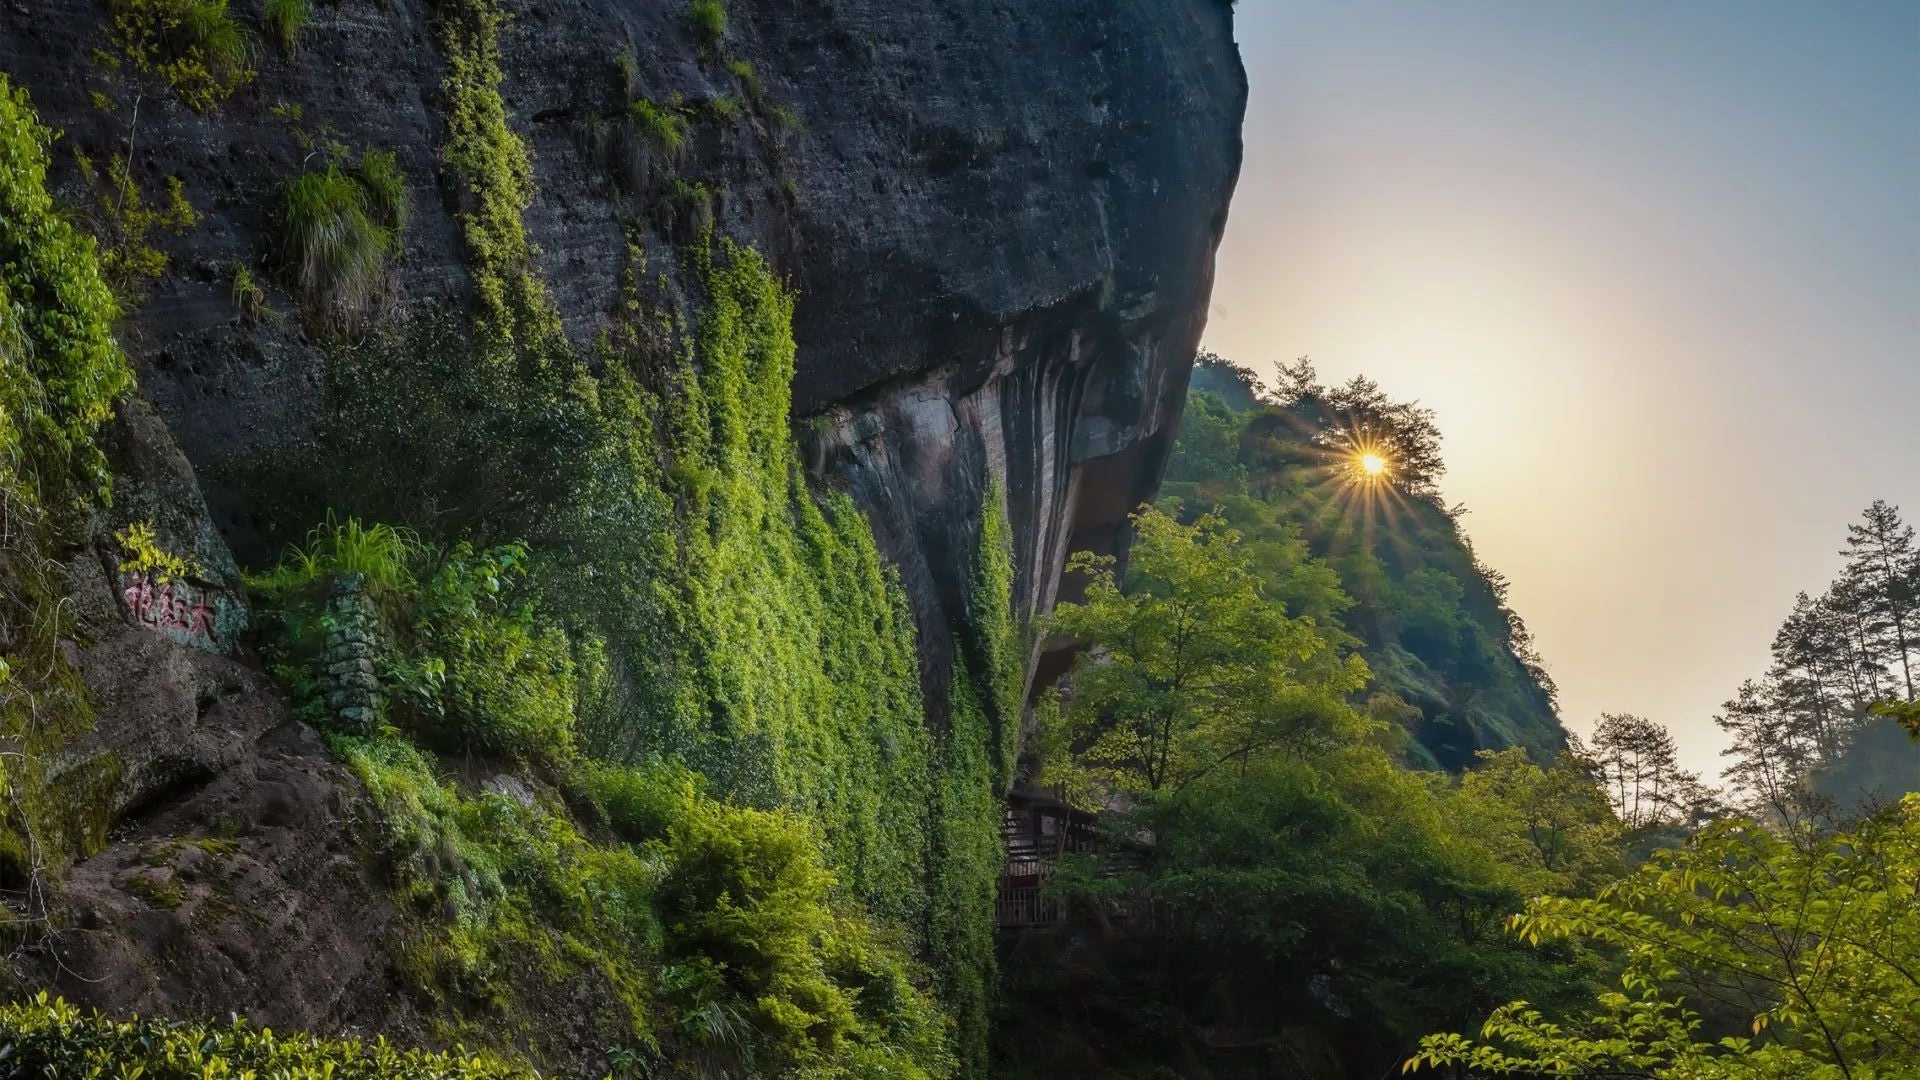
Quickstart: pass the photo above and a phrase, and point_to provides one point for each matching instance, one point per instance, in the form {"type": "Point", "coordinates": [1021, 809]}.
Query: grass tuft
{"type": "Point", "coordinates": [387, 187]}
{"type": "Point", "coordinates": [338, 231]}
{"type": "Point", "coordinates": [643, 143]}
{"type": "Point", "coordinates": [284, 19]}
{"type": "Point", "coordinates": [708, 20]}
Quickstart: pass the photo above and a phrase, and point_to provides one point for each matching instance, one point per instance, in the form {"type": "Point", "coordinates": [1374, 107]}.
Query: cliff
{"type": "Point", "coordinates": [996, 224]}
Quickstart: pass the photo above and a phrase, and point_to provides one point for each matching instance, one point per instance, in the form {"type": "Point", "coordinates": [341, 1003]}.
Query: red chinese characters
{"type": "Point", "coordinates": [170, 606]}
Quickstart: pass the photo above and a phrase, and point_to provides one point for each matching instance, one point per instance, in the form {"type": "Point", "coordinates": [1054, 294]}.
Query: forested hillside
{"type": "Point", "coordinates": [1428, 615]}
{"type": "Point", "coordinates": [1291, 885]}
{"type": "Point", "coordinates": [1284, 886]}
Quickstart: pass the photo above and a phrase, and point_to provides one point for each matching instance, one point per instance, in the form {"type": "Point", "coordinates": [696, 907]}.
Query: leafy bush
{"type": "Point", "coordinates": [285, 19]}
{"type": "Point", "coordinates": [45, 1037]}
{"type": "Point", "coordinates": [751, 935]}
{"type": "Point", "coordinates": [493, 679]}
{"type": "Point", "coordinates": [338, 230]}
{"type": "Point", "coordinates": [126, 224]}
{"type": "Point", "coordinates": [67, 371]}
{"type": "Point", "coordinates": [196, 46]}
{"type": "Point", "coordinates": [61, 374]}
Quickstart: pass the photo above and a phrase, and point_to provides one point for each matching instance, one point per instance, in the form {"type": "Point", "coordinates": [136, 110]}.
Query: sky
{"type": "Point", "coordinates": [1656, 267]}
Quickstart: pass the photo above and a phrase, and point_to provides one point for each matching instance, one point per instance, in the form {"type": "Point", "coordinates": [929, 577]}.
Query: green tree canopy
{"type": "Point", "coordinates": [1815, 947]}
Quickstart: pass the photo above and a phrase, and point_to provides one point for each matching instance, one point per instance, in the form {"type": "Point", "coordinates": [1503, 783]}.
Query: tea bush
{"type": "Point", "coordinates": [43, 1037]}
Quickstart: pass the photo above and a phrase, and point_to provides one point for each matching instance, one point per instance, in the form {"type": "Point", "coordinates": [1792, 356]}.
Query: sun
{"type": "Point", "coordinates": [1373, 464]}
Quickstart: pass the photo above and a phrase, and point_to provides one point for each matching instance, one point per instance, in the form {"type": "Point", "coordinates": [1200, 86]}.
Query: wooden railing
{"type": "Point", "coordinates": [1037, 829]}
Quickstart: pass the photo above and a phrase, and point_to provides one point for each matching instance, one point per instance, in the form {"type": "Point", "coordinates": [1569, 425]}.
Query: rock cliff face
{"type": "Point", "coordinates": [999, 219]}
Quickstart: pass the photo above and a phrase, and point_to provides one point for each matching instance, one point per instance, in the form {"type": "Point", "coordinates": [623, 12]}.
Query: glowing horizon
{"type": "Point", "coordinates": [1604, 243]}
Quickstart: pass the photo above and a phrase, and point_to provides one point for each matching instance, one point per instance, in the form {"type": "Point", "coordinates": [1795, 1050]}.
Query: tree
{"type": "Point", "coordinates": [1190, 666]}
{"type": "Point", "coordinates": [1807, 654]}
{"type": "Point", "coordinates": [1639, 767]}
{"type": "Point", "coordinates": [1819, 947]}
{"type": "Point", "coordinates": [1556, 824]}
{"type": "Point", "coordinates": [1771, 759]}
{"type": "Point", "coordinates": [1865, 666]}
{"type": "Point", "coordinates": [1883, 569]}
{"type": "Point", "coordinates": [1358, 417]}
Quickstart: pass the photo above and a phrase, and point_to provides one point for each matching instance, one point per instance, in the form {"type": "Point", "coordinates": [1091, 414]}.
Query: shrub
{"type": "Point", "coordinates": [52, 1038]}
{"type": "Point", "coordinates": [126, 222]}
{"type": "Point", "coordinates": [196, 46]}
{"type": "Point", "coordinates": [285, 19]}
{"type": "Point", "coordinates": [145, 555]}
{"type": "Point", "coordinates": [336, 241]}
{"type": "Point", "coordinates": [708, 20]}
{"type": "Point", "coordinates": [752, 941]}
{"type": "Point", "coordinates": [506, 890]}
{"type": "Point", "coordinates": [67, 370]}
{"type": "Point", "coordinates": [502, 682]}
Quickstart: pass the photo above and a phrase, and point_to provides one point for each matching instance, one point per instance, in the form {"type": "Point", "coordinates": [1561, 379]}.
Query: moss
{"type": "Point", "coordinates": [163, 853]}
{"type": "Point", "coordinates": [160, 893]}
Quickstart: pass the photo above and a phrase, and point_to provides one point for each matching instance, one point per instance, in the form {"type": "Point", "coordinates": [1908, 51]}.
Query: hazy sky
{"type": "Point", "coordinates": [1656, 265]}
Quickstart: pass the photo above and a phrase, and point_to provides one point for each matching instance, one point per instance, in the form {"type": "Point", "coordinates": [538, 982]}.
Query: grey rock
{"type": "Point", "coordinates": [1000, 219]}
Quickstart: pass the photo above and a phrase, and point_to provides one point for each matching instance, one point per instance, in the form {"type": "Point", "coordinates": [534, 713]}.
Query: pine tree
{"type": "Point", "coordinates": [1639, 767]}
{"type": "Point", "coordinates": [1883, 568]}
{"type": "Point", "coordinates": [1771, 757]}
{"type": "Point", "coordinates": [1865, 668]}
{"type": "Point", "coordinates": [1806, 657]}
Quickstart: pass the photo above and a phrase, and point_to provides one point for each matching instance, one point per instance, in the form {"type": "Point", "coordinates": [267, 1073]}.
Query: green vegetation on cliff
{"type": "Point", "coordinates": [615, 572]}
{"type": "Point", "coordinates": [61, 373]}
